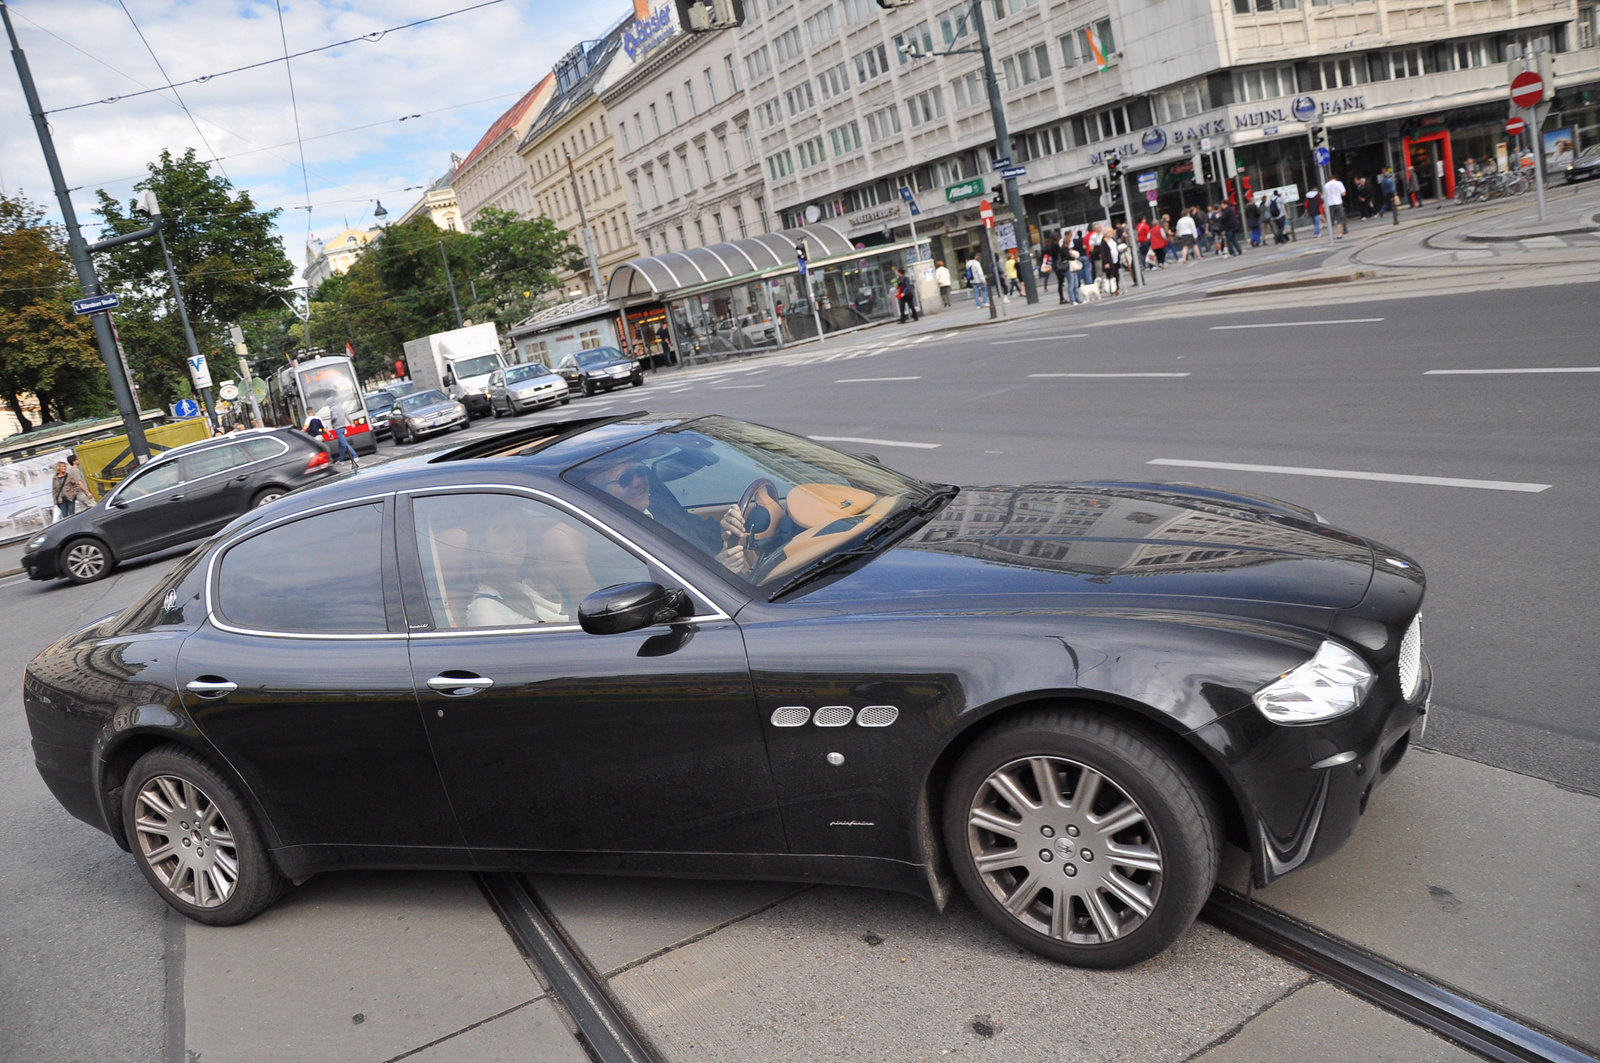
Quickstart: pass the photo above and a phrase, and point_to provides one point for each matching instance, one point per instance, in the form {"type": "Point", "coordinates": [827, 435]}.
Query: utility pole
{"type": "Point", "coordinates": [127, 403]}
{"type": "Point", "coordinates": [243, 352]}
{"type": "Point", "coordinates": [183, 317]}
{"type": "Point", "coordinates": [1002, 147]}
{"type": "Point", "coordinates": [583, 220]}
{"type": "Point", "coordinates": [447, 279]}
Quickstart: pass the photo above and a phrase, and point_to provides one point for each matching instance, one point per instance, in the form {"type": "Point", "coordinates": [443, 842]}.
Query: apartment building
{"type": "Point", "coordinates": [492, 174]}
{"type": "Point", "coordinates": [438, 201]}
{"type": "Point", "coordinates": [569, 155]}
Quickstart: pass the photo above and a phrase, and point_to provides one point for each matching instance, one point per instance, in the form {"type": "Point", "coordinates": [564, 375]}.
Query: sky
{"type": "Point", "coordinates": [448, 80]}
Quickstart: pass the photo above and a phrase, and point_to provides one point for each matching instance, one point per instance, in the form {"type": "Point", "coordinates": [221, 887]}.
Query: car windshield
{"type": "Point", "coordinates": [518, 374]}
{"type": "Point", "coordinates": [479, 366]}
{"type": "Point", "coordinates": [422, 398]}
{"type": "Point", "coordinates": [598, 356]}
{"type": "Point", "coordinates": [1591, 152]}
{"type": "Point", "coordinates": [771, 509]}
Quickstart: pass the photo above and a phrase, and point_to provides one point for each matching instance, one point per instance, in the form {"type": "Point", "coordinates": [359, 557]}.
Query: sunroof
{"type": "Point", "coordinates": [521, 442]}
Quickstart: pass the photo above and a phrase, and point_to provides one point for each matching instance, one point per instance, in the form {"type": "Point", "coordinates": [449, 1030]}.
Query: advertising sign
{"type": "Point", "coordinates": [964, 190]}
{"type": "Point", "coordinates": [1558, 149]}
{"type": "Point", "coordinates": [25, 505]}
{"type": "Point", "coordinates": [1007, 232]}
{"type": "Point", "coordinates": [199, 372]}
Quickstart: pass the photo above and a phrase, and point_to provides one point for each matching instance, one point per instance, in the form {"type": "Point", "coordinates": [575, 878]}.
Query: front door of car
{"type": "Point", "coordinates": [496, 388]}
{"type": "Point", "coordinates": [149, 511]}
{"type": "Point", "coordinates": [217, 487]}
{"type": "Point", "coordinates": [553, 739]}
{"type": "Point", "coordinates": [302, 681]}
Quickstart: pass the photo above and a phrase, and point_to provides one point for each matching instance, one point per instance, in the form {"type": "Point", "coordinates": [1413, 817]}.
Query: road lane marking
{"type": "Point", "coordinates": [736, 387]}
{"type": "Point", "coordinates": [678, 391]}
{"type": "Point", "coordinates": [875, 442]}
{"type": "Point", "coordinates": [1496, 372]}
{"type": "Point", "coordinates": [1299, 324]}
{"type": "Point", "coordinates": [1093, 375]}
{"type": "Point", "coordinates": [873, 379]}
{"type": "Point", "coordinates": [1348, 474]}
{"type": "Point", "coordinates": [1042, 339]}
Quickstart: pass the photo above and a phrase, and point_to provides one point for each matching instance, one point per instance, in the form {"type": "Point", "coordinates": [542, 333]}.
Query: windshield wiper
{"type": "Point", "coordinates": [920, 509]}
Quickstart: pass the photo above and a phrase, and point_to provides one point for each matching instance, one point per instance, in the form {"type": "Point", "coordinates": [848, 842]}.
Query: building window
{"type": "Point", "coordinates": [821, 27]}
{"type": "Point", "coordinates": [1075, 46]}
{"type": "Point", "coordinates": [749, 146]}
{"type": "Point", "coordinates": [871, 64]}
{"type": "Point", "coordinates": [688, 171]}
{"type": "Point", "coordinates": [1026, 67]}
{"type": "Point", "coordinates": [655, 191]}
{"type": "Point", "coordinates": [967, 90]}
{"type": "Point", "coordinates": [655, 119]}
{"type": "Point", "coordinates": [883, 123]}
{"type": "Point", "coordinates": [711, 87]}
{"type": "Point", "coordinates": [1586, 27]}
{"type": "Point", "coordinates": [705, 162]}
{"type": "Point", "coordinates": [786, 46]}
{"type": "Point", "coordinates": [780, 165]}
{"type": "Point", "coordinates": [1252, 85]}
{"type": "Point", "coordinates": [722, 233]}
{"type": "Point", "coordinates": [761, 212]}
{"type": "Point", "coordinates": [626, 147]}
{"type": "Point", "coordinates": [672, 189]}
{"type": "Point", "coordinates": [727, 155]}
{"type": "Point", "coordinates": [1411, 63]}
{"type": "Point", "coordinates": [769, 113]}
{"type": "Point", "coordinates": [919, 37]}
{"type": "Point", "coordinates": [955, 23]}
{"type": "Point", "coordinates": [700, 231]}
{"type": "Point", "coordinates": [688, 94]}
{"type": "Point", "coordinates": [810, 153]}
{"type": "Point", "coordinates": [638, 127]}
{"type": "Point", "coordinates": [1180, 102]}
{"type": "Point", "coordinates": [649, 245]}
{"type": "Point", "coordinates": [858, 11]}
{"type": "Point", "coordinates": [738, 219]}
{"type": "Point", "coordinates": [733, 80]}
{"type": "Point", "coordinates": [925, 107]}
{"type": "Point", "coordinates": [799, 99]}
{"type": "Point", "coordinates": [672, 110]}
{"type": "Point", "coordinates": [683, 244]}
{"type": "Point", "coordinates": [846, 138]}
{"type": "Point", "coordinates": [1333, 74]}
{"type": "Point", "coordinates": [834, 81]}
{"type": "Point", "coordinates": [758, 63]}
{"type": "Point", "coordinates": [1103, 125]}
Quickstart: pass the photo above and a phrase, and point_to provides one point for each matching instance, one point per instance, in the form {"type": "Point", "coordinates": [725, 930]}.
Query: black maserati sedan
{"type": "Point", "coordinates": [702, 647]}
{"type": "Point", "coordinates": [180, 496]}
{"type": "Point", "coordinates": [599, 369]}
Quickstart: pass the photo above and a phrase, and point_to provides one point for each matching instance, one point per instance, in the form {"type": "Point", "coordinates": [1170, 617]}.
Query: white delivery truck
{"type": "Point", "coordinates": [458, 363]}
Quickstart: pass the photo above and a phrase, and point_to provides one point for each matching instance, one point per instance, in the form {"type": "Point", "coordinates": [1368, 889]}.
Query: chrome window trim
{"type": "Point", "coordinates": [215, 561]}
{"type": "Point", "coordinates": [716, 614]}
{"type": "Point", "coordinates": [116, 492]}
{"type": "Point", "coordinates": [233, 469]}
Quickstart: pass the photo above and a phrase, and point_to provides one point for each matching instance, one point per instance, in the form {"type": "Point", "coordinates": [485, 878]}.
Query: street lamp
{"type": "Point", "coordinates": [378, 213]}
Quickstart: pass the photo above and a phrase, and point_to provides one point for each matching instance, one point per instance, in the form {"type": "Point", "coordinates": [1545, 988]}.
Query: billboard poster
{"type": "Point", "coordinates": [25, 505]}
{"type": "Point", "coordinates": [1558, 149]}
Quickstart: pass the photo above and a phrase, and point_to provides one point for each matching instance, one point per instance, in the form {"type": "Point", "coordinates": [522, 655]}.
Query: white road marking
{"type": "Point", "coordinates": [1299, 324]}
{"type": "Point", "coordinates": [1347, 474]}
{"type": "Point", "coordinates": [736, 387]}
{"type": "Point", "coordinates": [923, 339]}
{"type": "Point", "coordinates": [1104, 374]}
{"type": "Point", "coordinates": [1496, 372]}
{"type": "Point", "coordinates": [678, 391]}
{"type": "Point", "coordinates": [873, 379]}
{"type": "Point", "coordinates": [1042, 339]}
{"type": "Point", "coordinates": [875, 442]}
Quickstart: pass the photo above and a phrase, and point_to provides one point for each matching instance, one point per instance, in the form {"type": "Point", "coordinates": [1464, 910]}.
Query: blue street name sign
{"type": "Point", "coordinates": [1323, 156]}
{"type": "Point", "coordinates": [93, 304]}
{"type": "Point", "coordinates": [1149, 181]}
{"type": "Point", "coordinates": [1002, 162]}
{"type": "Point", "coordinates": [186, 408]}
{"type": "Point", "coordinates": [911, 201]}
{"type": "Point", "coordinates": [1013, 171]}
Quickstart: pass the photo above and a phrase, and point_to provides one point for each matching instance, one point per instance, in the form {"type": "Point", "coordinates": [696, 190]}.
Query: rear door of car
{"type": "Point", "coordinates": [218, 485]}
{"type": "Point", "coordinates": [301, 680]}
{"type": "Point", "coordinates": [552, 739]}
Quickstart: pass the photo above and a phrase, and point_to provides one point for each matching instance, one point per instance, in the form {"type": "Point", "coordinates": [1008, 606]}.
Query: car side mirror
{"type": "Point", "coordinates": [629, 607]}
{"type": "Point", "coordinates": [119, 504]}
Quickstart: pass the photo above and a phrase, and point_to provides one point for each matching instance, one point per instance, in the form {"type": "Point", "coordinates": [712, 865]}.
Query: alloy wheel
{"type": "Point", "coordinates": [186, 842]}
{"type": "Point", "coordinates": [268, 496]}
{"type": "Point", "coordinates": [1065, 850]}
{"type": "Point", "coordinates": [86, 561]}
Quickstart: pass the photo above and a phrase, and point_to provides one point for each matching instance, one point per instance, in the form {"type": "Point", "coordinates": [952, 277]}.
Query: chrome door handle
{"type": "Point", "coordinates": [461, 685]}
{"type": "Point", "coordinates": [212, 689]}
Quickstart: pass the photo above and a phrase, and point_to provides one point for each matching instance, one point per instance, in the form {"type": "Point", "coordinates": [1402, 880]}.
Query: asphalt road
{"type": "Point", "coordinates": [1509, 620]}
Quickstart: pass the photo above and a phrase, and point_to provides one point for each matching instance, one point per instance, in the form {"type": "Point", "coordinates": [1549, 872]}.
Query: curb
{"type": "Point", "coordinates": [1303, 282]}
{"type": "Point", "coordinates": [1531, 234]}
{"type": "Point", "coordinates": [8, 573]}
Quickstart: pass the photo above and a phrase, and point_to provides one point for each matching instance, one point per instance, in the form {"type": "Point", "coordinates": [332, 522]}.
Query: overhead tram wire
{"type": "Point", "coordinates": [305, 178]}
{"type": "Point", "coordinates": [175, 93]}
{"type": "Point", "coordinates": [373, 38]}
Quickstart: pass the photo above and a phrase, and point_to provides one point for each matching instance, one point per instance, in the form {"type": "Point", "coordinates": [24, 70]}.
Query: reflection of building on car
{"type": "Point", "coordinates": [426, 413]}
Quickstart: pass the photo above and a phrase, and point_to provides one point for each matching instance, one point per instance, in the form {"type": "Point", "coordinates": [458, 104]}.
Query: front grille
{"type": "Point", "coordinates": [1411, 659]}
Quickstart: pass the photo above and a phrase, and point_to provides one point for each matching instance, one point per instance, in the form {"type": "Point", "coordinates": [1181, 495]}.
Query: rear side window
{"type": "Point", "coordinates": [256, 449]}
{"type": "Point", "coordinates": [214, 460]}
{"type": "Point", "coordinates": [322, 575]}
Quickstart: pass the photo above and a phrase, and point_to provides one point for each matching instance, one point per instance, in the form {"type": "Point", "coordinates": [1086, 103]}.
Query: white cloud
{"type": "Point", "coordinates": [492, 54]}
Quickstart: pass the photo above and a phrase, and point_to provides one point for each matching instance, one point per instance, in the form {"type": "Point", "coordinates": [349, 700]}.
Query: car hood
{"type": "Point", "coordinates": [534, 383]}
{"type": "Point", "coordinates": [432, 408]}
{"type": "Point", "coordinates": [1098, 546]}
{"type": "Point", "coordinates": [604, 367]}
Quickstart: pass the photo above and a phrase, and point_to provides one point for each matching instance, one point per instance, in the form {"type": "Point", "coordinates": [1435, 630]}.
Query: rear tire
{"type": "Point", "coordinates": [1105, 871]}
{"type": "Point", "coordinates": [86, 560]}
{"type": "Point", "coordinates": [266, 495]}
{"type": "Point", "coordinates": [195, 839]}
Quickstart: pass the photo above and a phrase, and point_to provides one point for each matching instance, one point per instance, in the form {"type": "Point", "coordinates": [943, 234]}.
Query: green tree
{"type": "Point", "coordinates": [518, 261]}
{"type": "Point", "coordinates": [230, 265]}
{"type": "Point", "coordinates": [45, 348]}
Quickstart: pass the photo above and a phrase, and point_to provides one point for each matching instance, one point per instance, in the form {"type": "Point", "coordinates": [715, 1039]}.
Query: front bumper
{"type": "Point", "coordinates": [417, 432]}
{"type": "Point", "coordinates": [533, 400]}
{"type": "Point", "coordinates": [1303, 790]}
{"type": "Point", "coordinates": [41, 564]}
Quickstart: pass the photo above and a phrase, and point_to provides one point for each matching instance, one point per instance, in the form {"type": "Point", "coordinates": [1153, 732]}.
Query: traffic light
{"type": "Point", "coordinates": [997, 195]}
{"type": "Point", "coordinates": [1244, 183]}
{"type": "Point", "coordinates": [708, 16]}
{"type": "Point", "coordinates": [1113, 167]}
{"type": "Point", "coordinates": [1319, 136]}
{"type": "Point", "coordinates": [1208, 169]}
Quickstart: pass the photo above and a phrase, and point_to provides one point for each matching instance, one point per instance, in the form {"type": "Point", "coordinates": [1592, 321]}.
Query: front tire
{"type": "Point", "coordinates": [196, 841]}
{"type": "Point", "coordinates": [1081, 838]}
{"type": "Point", "coordinates": [86, 560]}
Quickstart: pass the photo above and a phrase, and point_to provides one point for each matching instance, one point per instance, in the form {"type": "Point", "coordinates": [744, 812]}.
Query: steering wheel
{"type": "Point", "coordinates": [759, 524]}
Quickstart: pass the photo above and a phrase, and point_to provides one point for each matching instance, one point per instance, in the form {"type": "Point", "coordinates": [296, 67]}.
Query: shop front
{"type": "Point", "coordinates": [554, 332]}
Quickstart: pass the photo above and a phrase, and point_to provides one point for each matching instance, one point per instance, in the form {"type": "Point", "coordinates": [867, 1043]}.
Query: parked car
{"type": "Point", "coordinates": [703, 647]}
{"type": "Point", "coordinates": [525, 387]}
{"type": "Point", "coordinates": [1585, 166]}
{"type": "Point", "coordinates": [180, 496]}
{"type": "Point", "coordinates": [426, 413]}
{"type": "Point", "coordinates": [599, 369]}
{"type": "Point", "coordinates": [379, 403]}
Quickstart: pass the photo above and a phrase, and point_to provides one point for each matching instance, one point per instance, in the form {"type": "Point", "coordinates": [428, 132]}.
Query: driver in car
{"type": "Point", "coordinates": [629, 481]}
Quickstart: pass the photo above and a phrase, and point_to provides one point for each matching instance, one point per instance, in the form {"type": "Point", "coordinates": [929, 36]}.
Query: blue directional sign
{"type": "Point", "coordinates": [1323, 156]}
{"type": "Point", "coordinates": [1013, 171]}
{"type": "Point", "coordinates": [93, 304]}
{"type": "Point", "coordinates": [186, 408]}
{"type": "Point", "coordinates": [911, 201]}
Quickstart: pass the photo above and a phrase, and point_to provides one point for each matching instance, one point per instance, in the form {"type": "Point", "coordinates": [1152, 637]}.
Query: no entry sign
{"type": "Point", "coordinates": [1527, 89]}
{"type": "Point", "coordinates": [986, 212]}
{"type": "Point", "coordinates": [1515, 126]}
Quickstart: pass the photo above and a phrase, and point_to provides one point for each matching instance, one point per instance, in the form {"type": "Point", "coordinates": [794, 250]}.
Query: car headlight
{"type": "Point", "coordinates": [1330, 684]}
{"type": "Point", "coordinates": [34, 543]}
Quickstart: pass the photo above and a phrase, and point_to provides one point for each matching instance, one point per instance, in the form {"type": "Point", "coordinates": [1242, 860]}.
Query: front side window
{"type": "Point", "coordinates": [506, 561]}
{"type": "Point", "coordinates": [150, 480]}
{"type": "Point", "coordinates": [319, 575]}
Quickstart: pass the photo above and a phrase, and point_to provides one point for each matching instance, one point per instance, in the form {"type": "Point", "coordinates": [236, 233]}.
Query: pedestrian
{"type": "Point", "coordinates": [1160, 240]}
{"type": "Point", "coordinates": [1228, 218]}
{"type": "Point", "coordinates": [1072, 262]}
{"type": "Point", "coordinates": [1279, 216]}
{"type": "Point", "coordinates": [1141, 235]}
{"type": "Point", "coordinates": [1106, 255]}
{"type": "Point", "coordinates": [1186, 236]}
{"type": "Point", "coordinates": [1412, 187]}
{"type": "Point", "coordinates": [1312, 205]}
{"type": "Point", "coordinates": [941, 277]}
{"type": "Point", "coordinates": [1125, 253]}
{"type": "Point", "coordinates": [1333, 193]}
{"type": "Point", "coordinates": [975, 281]}
{"type": "Point", "coordinates": [1391, 195]}
{"type": "Point", "coordinates": [341, 428]}
{"type": "Point", "coordinates": [77, 486]}
{"type": "Point", "coordinates": [1252, 221]}
{"type": "Point", "coordinates": [1013, 285]}
{"type": "Point", "coordinates": [905, 293]}
{"type": "Point", "coordinates": [61, 492]}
